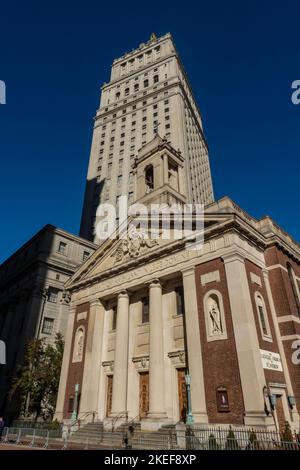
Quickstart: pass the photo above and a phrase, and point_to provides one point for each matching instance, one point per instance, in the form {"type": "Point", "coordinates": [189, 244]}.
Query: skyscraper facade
{"type": "Point", "coordinates": [148, 93]}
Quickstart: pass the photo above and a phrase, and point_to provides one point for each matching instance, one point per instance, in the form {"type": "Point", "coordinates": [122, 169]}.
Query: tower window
{"type": "Point", "coordinates": [155, 79]}
{"type": "Point", "coordinates": [146, 83]}
{"type": "Point", "coordinates": [149, 178]}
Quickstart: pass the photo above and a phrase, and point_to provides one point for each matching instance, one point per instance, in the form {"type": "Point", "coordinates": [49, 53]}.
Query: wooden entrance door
{"type": "Point", "coordinates": [280, 413]}
{"type": "Point", "coordinates": [144, 394]}
{"type": "Point", "coordinates": [182, 395]}
{"type": "Point", "coordinates": [109, 394]}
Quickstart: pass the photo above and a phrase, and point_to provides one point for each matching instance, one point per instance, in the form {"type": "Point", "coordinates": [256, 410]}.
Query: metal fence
{"type": "Point", "coordinates": [217, 438]}
{"type": "Point", "coordinates": [193, 438]}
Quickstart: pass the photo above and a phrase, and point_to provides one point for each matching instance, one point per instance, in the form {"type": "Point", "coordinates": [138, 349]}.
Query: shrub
{"type": "Point", "coordinates": [231, 442]}
{"type": "Point", "coordinates": [212, 443]}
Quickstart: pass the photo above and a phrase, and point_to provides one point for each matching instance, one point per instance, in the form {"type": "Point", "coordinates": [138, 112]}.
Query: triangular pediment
{"type": "Point", "coordinates": [115, 254]}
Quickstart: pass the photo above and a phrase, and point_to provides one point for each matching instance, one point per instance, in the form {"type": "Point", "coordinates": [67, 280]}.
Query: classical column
{"type": "Point", "coordinates": [246, 340]}
{"type": "Point", "coordinates": [194, 347]}
{"type": "Point", "coordinates": [156, 353]}
{"type": "Point", "coordinates": [92, 360]}
{"type": "Point", "coordinates": [119, 394]}
{"type": "Point", "coordinates": [61, 397]}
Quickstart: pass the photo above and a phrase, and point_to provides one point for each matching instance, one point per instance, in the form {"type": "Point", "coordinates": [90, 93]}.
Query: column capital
{"type": "Point", "coordinates": [155, 283]}
{"type": "Point", "coordinates": [232, 257]}
{"type": "Point", "coordinates": [123, 294]}
{"type": "Point", "coordinates": [95, 303]}
{"type": "Point", "coordinates": [265, 273]}
{"type": "Point", "coordinates": [188, 271]}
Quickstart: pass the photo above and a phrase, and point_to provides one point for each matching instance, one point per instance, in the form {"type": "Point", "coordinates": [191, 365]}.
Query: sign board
{"type": "Point", "coordinates": [270, 360]}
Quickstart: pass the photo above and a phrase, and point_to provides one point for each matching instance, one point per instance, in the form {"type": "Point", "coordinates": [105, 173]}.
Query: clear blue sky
{"type": "Point", "coordinates": [241, 58]}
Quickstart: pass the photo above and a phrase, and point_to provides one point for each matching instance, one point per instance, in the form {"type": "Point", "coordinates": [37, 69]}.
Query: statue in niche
{"type": "Point", "coordinates": [215, 320]}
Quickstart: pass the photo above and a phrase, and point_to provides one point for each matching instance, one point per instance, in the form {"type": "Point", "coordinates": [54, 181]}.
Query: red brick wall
{"type": "Point", "coordinates": [220, 364]}
{"type": "Point", "coordinates": [294, 369]}
{"type": "Point", "coordinates": [270, 375]}
{"type": "Point", "coordinates": [285, 304]}
{"type": "Point", "coordinates": [75, 372]}
{"type": "Point", "coordinates": [281, 287]}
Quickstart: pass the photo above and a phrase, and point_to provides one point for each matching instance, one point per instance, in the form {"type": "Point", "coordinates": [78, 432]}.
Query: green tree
{"type": "Point", "coordinates": [38, 379]}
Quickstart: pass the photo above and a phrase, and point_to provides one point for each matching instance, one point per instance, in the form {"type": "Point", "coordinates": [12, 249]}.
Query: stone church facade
{"type": "Point", "coordinates": [148, 325]}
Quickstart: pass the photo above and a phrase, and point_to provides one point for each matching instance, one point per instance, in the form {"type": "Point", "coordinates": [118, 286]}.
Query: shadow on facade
{"type": "Point", "coordinates": [93, 193]}
{"type": "Point", "coordinates": [23, 282]}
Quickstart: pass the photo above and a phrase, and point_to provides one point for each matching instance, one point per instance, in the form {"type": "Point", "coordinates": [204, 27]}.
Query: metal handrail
{"type": "Point", "coordinates": [123, 413]}
{"type": "Point", "coordinates": [78, 419]}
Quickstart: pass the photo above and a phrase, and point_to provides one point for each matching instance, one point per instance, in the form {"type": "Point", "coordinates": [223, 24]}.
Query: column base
{"type": "Point", "coordinates": [259, 418]}
{"type": "Point", "coordinates": [154, 421]}
{"type": "Point", "coordinates": [200, 417]}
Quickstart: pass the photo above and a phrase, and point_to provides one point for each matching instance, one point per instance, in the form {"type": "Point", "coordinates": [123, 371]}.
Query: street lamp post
{"type": "Point", "coordinates": [189, 416]}
{"type": "Point", "coordinates": [75, 405]}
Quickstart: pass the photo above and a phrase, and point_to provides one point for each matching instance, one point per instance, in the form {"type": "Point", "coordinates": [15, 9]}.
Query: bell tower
{"type": "Point", "coordinates": [159, 174]}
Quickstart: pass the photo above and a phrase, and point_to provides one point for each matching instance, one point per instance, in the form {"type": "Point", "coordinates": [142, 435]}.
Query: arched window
{"type": "Point", "coordinates": [295, 288]}
{"type": "Point", "coordinates": [263, 317]}
{"type": "Point", "coordinates": [78, 344]}
{"type": "Point", "coordinates": [155, 79]}
{"type": "Point", "coordinates": [214, 316]}
{"type": "Point", "coordinates": [149, 178]}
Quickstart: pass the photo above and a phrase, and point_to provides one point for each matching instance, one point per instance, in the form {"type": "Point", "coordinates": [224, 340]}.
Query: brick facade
{"type": "Point", "coordinates": [220, 363]}
{"type": "Point", "coordinates": [75, 373]}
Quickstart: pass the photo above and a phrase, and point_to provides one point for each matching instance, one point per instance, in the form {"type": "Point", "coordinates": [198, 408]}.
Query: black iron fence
{"type": "Point", "coordinates": [191, 438]}
{"type": "Point", "coordinates": [217, 438]}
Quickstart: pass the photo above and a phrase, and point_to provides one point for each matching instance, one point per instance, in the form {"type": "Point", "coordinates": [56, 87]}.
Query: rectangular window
{"type": "Point", "coordinates": [52, 295]}
{"type": "Point", "coordinates": [85, 255]}
{"type": "Point", "coordinates": [145, 310]}
{"type": "Point", "coordinates": [130, 197]}
{"type": "Point", "coordinates": [48, 326]}
{"type": "Point", "coordinates": [62, 248]}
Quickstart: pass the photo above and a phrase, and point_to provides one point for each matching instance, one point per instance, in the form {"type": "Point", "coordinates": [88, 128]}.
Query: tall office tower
{"type": "Point", "coordinates": [148, 92]}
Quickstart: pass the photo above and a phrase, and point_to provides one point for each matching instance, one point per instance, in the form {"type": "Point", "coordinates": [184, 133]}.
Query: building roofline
{"type": "Point", "coordinates": [40, 233]}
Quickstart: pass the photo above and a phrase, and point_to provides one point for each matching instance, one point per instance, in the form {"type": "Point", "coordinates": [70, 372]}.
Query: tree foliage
{"type": "Point", "coordinates": [37, 380]}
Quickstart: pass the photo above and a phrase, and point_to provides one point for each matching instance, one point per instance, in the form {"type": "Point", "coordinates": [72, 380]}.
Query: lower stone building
{"type": "Point", "coordinates": [33, 303]}
{"type": "Point", "coordinates": [150, 322]}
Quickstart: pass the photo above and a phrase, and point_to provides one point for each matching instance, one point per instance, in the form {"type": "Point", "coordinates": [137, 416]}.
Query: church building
{"type": "Point", "coordinates": [159, 333]}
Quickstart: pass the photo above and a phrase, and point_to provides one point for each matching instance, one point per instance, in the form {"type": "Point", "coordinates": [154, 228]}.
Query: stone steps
{"type": "Point", "coordinates": [95, 434]}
